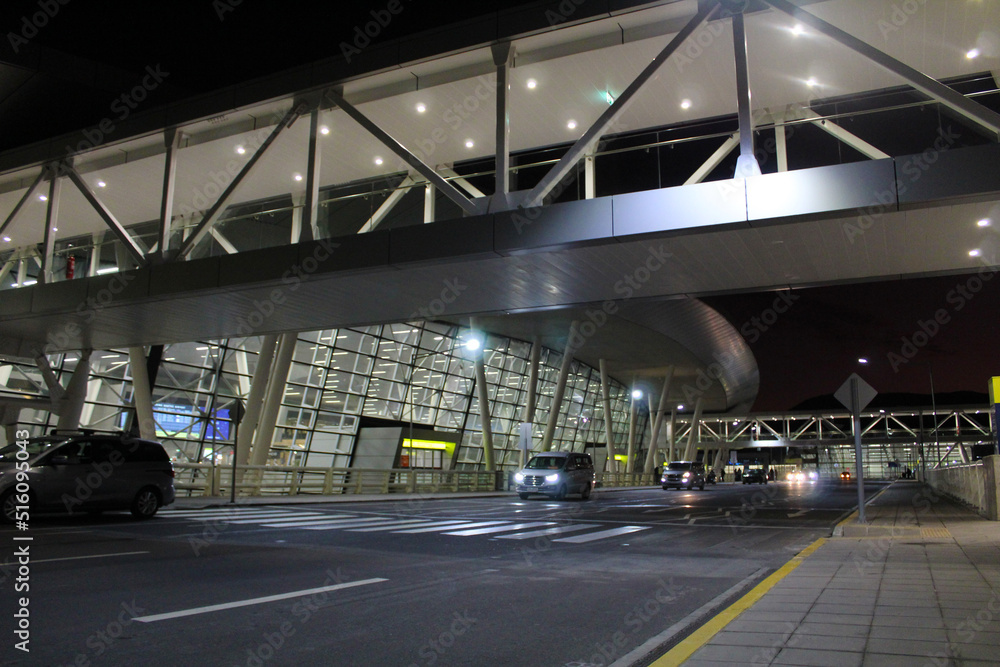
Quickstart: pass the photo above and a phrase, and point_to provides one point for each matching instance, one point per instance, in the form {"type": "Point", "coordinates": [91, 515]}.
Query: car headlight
{"type": "Point", "coordinates": [552, 478]}
{"type": "Point", "coordinates": [686, 475]}
{"type": "Point", "coordinates": [813, 475]}
{"type": "Point", "coordinates": [519, 477]}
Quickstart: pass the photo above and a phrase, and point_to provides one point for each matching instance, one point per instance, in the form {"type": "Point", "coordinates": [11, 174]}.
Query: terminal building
{"type": "Point", "coordinates": [449, 251]}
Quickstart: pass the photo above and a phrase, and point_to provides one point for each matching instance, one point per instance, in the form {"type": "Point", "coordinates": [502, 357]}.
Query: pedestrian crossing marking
{"type": "Point", "coordinates": [600, 535]}
{"type": "Point", "coordinates": [500, 529]}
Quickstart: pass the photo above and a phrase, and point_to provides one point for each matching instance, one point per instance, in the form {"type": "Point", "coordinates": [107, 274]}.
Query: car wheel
{"type": "Point", "coordinates": [561, 493]}
{"type": "Point", "coordinates": [9, 505]}
{"type": "Point", "coordinates": [585, 494]}
{"type": "Point", "coordinates": [523, 496]}
{"type": "Point", "coordinates": [666, 488]}
{"type": "Point", "coordinates": [145, 504]}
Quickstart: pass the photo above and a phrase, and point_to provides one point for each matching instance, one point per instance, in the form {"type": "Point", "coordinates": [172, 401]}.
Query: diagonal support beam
{"type": "Point", "coordinates": [461, 181]}
{"type": "Point", "coordinates": [390, 203]}
{"type": "Point", "coordinates": [226, 244]}
{"type": "Point", "coordinates": [172, 142]}
{"type": "Point", "coordinates": [409, 158]}
{"type": "Point", "coordinates": [702, 172]}
{"type": "Point", "coordinates": [746, 164]}
{"type": "Point", "coordinates": [585, 143]}
{"type": "Point", "coordinates": [116, 227]}
{"type": "Point", "coordinates": [955, 101]}
{"type": "Point", "coordinates": [46, 275]}
{"type": "Point", "coordinates": [852, 140]}
{"type": "Point", "coordinates": [17, 209]}
{"type": "Point", "coordinates": [213, 213]}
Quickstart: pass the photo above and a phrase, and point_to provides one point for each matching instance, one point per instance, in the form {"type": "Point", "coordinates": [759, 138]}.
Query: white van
{"type": "Point", "coordinates": [556, 474]}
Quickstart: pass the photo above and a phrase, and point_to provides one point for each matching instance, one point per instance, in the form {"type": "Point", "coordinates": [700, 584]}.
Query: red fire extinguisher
{"type": "Point", "coordinates": [70, 267]}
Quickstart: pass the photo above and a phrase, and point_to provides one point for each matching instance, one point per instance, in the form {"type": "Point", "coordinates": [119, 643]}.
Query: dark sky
{"type": "Point", "coordinates": [805, 352]}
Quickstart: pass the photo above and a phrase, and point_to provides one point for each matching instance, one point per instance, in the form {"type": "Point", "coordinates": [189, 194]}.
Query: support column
{"type": "Point", "coordinates": [483, 393]}
{"type": "Point", "coordinates": [781, 144]}
{"type": "Point", "coordinates": [657, 423]}
{"type": "Point", "coordinates": [255, 399]}
{"type": "Point", "coordinates": [272, 404]}
{"type": "Point", "coordinates": [690, 451]}
{"type": "Point", "coordinates": [310, 209]}
{"type": "Point", "coordinates": [430, 203]}
{"type": "Point", "coordinates": [671, 435]}
{"type": "Point", "coordinates": [76, 394]}
{"type": "Point", "coordinates": [172, 141]}
{"type": "Point", "coordinates": [142, 394]}
{"type": "Point", "coordinates": [557, 396]}
{"type": "Point", "coordinates": [503, 58]}
{"type": "Point", "coordinates": [747, 164]}
{"type": "Point", "coordinates": [46, 275]}
{"type": "Point", "coordinates": [630, 454]}
{"type": "Point", "coordinates": [589, 178]}
{"type": "Point", "coordinates": [528, 417]}
{"type": "Point", "coordinates": [612, 463]}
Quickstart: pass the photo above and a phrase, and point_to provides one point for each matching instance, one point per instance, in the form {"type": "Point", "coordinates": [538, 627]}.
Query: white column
{"type": "Point", "coordinates": [557, 396]}
{"type": "Point", "coordinates": [142, 395]}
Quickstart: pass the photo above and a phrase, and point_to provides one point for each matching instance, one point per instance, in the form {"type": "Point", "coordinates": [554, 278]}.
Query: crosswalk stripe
{"type": "Point", "coordinates": [348, 523]}
{"type": "Point", "coordinates": [500, 529]}
{"type": "Point", "coordinates": [476, 524]}
{"type": "Point", "coordinates": [549, 531]}
{"type": "Point", "coordinates": [393, 526]}
{"type": "Point", "coordinates": [281, 517]}
{"type": "Point", "coordinates": [289, 522]}
{"type": "Point", "coordinates": [225, 511]}
{"type": "Point", "coordinates": [240, 517]}
{"type": "Point", "coordinates": [601, 534]}
{"type": "Point", "coordinates": [453, 523]}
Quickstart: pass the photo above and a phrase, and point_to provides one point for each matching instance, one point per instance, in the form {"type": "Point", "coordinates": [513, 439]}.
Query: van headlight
{"type": "Point", "coordinates": [552, 478]}
{"type": "Point", "coordinates": [686, 475]}
{"type": "Point", "coordinates": [519, 477]}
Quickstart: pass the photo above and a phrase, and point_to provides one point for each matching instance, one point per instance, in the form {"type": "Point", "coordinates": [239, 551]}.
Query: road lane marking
{"type": "Point", "coordinates": [246, 603]}
{"type": "Point", "coordinates": [394, 526]}
{"type": "Point", "coordinates": [56, 560]}
{"type": "Point", "coordinates": [281, 517]}
{"type": "Point", "coordinates": [500, 529]}
{"type": "Point", "coordinates": [549, 531]}
{"type": "Point", "coordinates": [453, 523]}
{"type": "Point", "coordinates": [601, 534]}
{"type": "Point", "coordinates": [799, 513]}
{"type": "Point", "coordinates": [348, 523]}
{"type": "Point", "coordinates": [467, 524]}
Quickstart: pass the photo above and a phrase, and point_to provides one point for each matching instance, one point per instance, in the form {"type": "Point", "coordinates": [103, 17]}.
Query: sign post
{"type": "Point", "coordinates": [855, 395]}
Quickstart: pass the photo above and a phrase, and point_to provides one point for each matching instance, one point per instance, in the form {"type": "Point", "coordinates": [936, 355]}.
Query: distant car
{"type": "Point", "coordinates": [754, 476]}
{"type": "Point", "coordinates": [683, 475]}
{"type": "Point", "coordinates": [796, 476]}
{"type": "Point", "coordinates": [85, 472]}
{"type": "Point", "coordinates": [556, 474]}
{"type": "Point", "coordinates": [846, 475]}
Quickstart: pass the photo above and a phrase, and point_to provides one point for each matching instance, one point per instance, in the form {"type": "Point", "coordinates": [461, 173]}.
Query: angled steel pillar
{"type": "Point", "coordinates": [834, 130]}
{"type": "Point", "coordinates": [404, 154]}
{"type": "Point", "coordinates": [630, 454]}
{"type": "Point", "coordinates": [133, 249]}
{"type": "Point", "coordinates": [557, 396]}
{"type": "Point", "coordinates": [746, 164]}
{"type": "Point", "coordinates": [671, 435]}
{"type": "Point", "coordinates": [534, 363]}
{"type": "Point", "coordinates": [483, 394]}
{"type": "Point", "coordinates": [612, 463]}
{"type": "Point", "coordinates": [255, 399]}
{"type": "Point", "coordinates": [955, 101]}
{"type": "Point", "coordinates": [460, 181]}
{"type": "Point", "coordinates": [172, 141]}
{"type": "Point", "coordinates": [657, 424]}
{"type": "Point", "coordinates": [721, 153]}
{"type": "Point", "coordinates": [216, 210]}
{"type": "Point", "coordinates": [390, 203]}
{"type": "Point", "coordinates": [142, 394]}
{"type": "Point", "coordinates": [430, 203]}
{"type": "Point", "coordinates": [71, 404]}
{"type": "Point", "coordinates": [56, 391]}
{"type": "Point", "coordinates": [20, 204]}
{"type": "Point", "coordinates": [272, 404]}
{"type": "Point", "coordinates": [221, 239]}
{"type": "Point", "coordinates": [691, 450]}
{"type": "Point", "coordinates": [586, 143]}
{"type": "Point", "coordinates": [310, 210]}
{"type": "Point", "coordinates": [51, 220]}
{"type": "Point", "coordinates": [503, 58]}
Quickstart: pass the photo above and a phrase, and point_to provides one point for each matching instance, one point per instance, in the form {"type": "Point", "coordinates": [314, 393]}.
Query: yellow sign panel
{"type": "Point", "coordinates": [995, 390]}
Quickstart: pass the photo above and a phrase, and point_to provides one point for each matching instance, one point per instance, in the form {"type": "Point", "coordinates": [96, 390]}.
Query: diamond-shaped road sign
{"type": "Point", "coordinates": [865, 393]}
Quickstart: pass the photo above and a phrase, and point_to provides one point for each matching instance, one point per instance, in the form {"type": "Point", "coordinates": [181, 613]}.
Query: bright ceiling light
{"type": "Point", "coordinates": [571, 124]}
{"type": "Point", "coordinates": [378, 160]}
{"type": "Point", "coordinates": [798, 30]}
{"type": "Point", "coordinates": [469, 143]}
{"type": "Point", "coordinates": [972, 54]}
{"type": "Point", "coordinates": [473, 344]}
{"type": "Point", "coordinates": [42, 198]}
{"type": "Point", "coordinates": [101, 184]}
{"type": "Point", "coordinates": [421, 107]}
{"type": "Point", "coordinates": [532, 84]}
{"type": "Point", "coordinates": [636, 394]}
{"type": "Point", "coordinates": [608, 97]}
{"type": "Point", "coordinates": [862, 360]}
{"type": "Point", "coordinates": [985, 222]}
{"type": "Point", "coordinates": [812, 82]}
{"type": "Point", "coordinates": [685, 104]}
{"type": "Point", "coordinates": [240, 150]}
{"type": "Point", "coordinates": [323, 129]}
{"type": "Point", "coordinates": [680, 407]}
{"type": "Point", "coordinates": [6, 239]}
{"type": "Point", "coordinates": [975, 253]}
{"type": "Point", "coordinates": [297, 177]}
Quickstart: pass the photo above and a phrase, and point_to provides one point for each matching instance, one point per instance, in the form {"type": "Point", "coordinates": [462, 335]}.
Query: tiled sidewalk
{"type": "Point", "coordinates": [919, 586]}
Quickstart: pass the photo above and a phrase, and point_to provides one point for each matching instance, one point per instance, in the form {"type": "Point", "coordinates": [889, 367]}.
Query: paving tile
{"type": "Point", "coordinates": [833, 629]}
{"type": "Point", "coordinates": [768, 605]}
{"type": "Point", "coordinates": [907, 622]}
{"type": "Point", "coordinates": [734, 655]}
{"type": "Point", "coordinates": [751, 640]}
{"type": "Point", "coordinates": [976, 652]}
{"type": "Point", "coordinates": [826, 643]}
{"type": "Point", "coordinates": [798, 656]}
{"type": "Point", "coordinates": [924, 600]}
{"type": "Point", "coordinates": [969, 635]}
{"type": "Point", "coordinates": [920, 649]}
{"type": "Point", "coordinates": [740, 625]}
{"type": "Point", "coordinates": [860, 608]}
{"type": "Point", "coordinates": [755, 615]}
{"type": "Point", "coordinates": [846, 619]}
{"type": "Point", "coordinates": [896, 610]}
{"type": "Point", "coordinates": [695, 662]}
{"type": "Point", "coordinates": [908, 633]}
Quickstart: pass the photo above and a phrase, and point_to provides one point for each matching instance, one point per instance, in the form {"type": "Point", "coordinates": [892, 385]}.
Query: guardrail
{"type": "Point", "coordinates": [204, 479]}
{"type": "Point", "coordinates": [977, 484]}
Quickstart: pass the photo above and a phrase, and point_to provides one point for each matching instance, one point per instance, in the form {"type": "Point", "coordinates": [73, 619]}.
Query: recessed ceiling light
{"type": "Point", "coordinates": [469, 143]}
{"type": "Point", "coordinates": [975, 253]}
{"type": "Point", "coordinates": [972, 54]}
{"type": "Point", "coordinates": [297, 177]}
{"type": "Point", "coordinates": [798, 30]}
{"type": "Point", "coordinates": [378, 160]}
{"type": "Point", "coordinates": [862, 360]}
{"type": "Point", "coordinates": [812, 82]}
{"type": "Point", "coordinates": [532, 84]}
{"type": "Point", "coordinates": [42, 198]}
{"type": "Point", "coordinates": [101, 184]}
{"type": "Point", "coordinates": [571, 124]}
{"type": "Point", "coordinates": [6, 239]}
{"type": "Point", "coordinates": [55, 229]}
{"type": "Point", "coordinates": [985, 222]}
{"type": "Point", "coordinates": [323, 129]}
{"type": "Point", "coordinates": [421, 107]}
{"type": "Point", "coordinates": [241, 150]}
{"type": "Point", "coordinates": [685, 104]}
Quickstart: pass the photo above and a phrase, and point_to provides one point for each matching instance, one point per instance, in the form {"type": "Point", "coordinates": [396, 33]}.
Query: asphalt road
{"type": "Point", "coordinates": [484, 581]}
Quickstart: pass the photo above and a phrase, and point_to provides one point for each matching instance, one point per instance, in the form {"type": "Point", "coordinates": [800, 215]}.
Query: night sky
{"type": "Point", "coordinates": [804, 353]}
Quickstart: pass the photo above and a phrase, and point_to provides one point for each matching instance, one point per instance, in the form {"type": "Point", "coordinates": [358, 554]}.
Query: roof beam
{"type": "Point", "coordinates": [109, 219]}
{"type": "Point", "coordinates": [404, 154]}
{"type": "Point", "coordinates": [702, 172]}
{"type": "Point", "coordinates": [852, 140]}
{"type": "Point", "coordinates": [585, 143]}
{"type": "Point", "coordinates": [955, 101]}
{"type": "Point", "coordinates": [20, 203]}
{"type": "Point", "coordinates": [390, 203]}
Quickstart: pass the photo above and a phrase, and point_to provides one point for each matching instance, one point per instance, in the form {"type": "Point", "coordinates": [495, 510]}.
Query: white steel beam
{"type": "Point", "coordinates": [852, 140]}
{"type": "Point", "coordinates": [721, 153]}
{"type": "Point", "coordinates": [109, 219]}
{"type": "Point", "coordinates": [172, 141]}
{"type": "Point", "coordinates": [461, 181]}
{"type": "Point", "coordinates": [24, 198]}
{"type": "Point", "coordinates": [223, 241]}
{"type": "Point", "coordinates": [503, 58]}
{"type": "Point", "coordinates": [51, 220]}
{"type": "Point", "coordinates": [747, 164]}
{"type": "Point", "coordinates": [390, 203]}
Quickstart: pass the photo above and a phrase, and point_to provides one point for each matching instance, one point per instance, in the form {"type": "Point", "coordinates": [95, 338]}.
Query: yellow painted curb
{"type": "Point", "coordinates": [702, 635]}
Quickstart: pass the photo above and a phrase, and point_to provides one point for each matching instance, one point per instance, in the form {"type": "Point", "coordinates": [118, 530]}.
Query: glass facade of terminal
{"type": "Point", "coordinates": [340, 380]}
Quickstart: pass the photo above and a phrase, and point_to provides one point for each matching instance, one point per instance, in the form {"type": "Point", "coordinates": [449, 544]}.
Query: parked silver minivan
{"type": "Point", "coordinates": [556, 474]}
{"type": "Point", "coordinates": [85, 472]}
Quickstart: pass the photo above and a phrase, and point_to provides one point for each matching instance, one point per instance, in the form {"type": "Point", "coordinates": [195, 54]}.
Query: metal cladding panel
{"type": "Point", "coordinates": [948, 174]}
{"type": "Point", "coordinates": [842, 187]}
{"type": "Point", "coordinates": [673, 210]}
{"type": "Point", "coordinates": [554, 227]}
{"type": "Point", "coordinates": [257, 265]}
{"type": "Point", "coordinates": [179, 277]}
{"type": "Point", "coordinates": [460, 239]}
{"type": "Point", "coordinates": [121, 286]}
{"type": "Point", "coordinates": [16, 301]}
{"type": "Point", "coordinates": [59, 296]}
{"type": "Point", "coordinates": [358, 252]}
